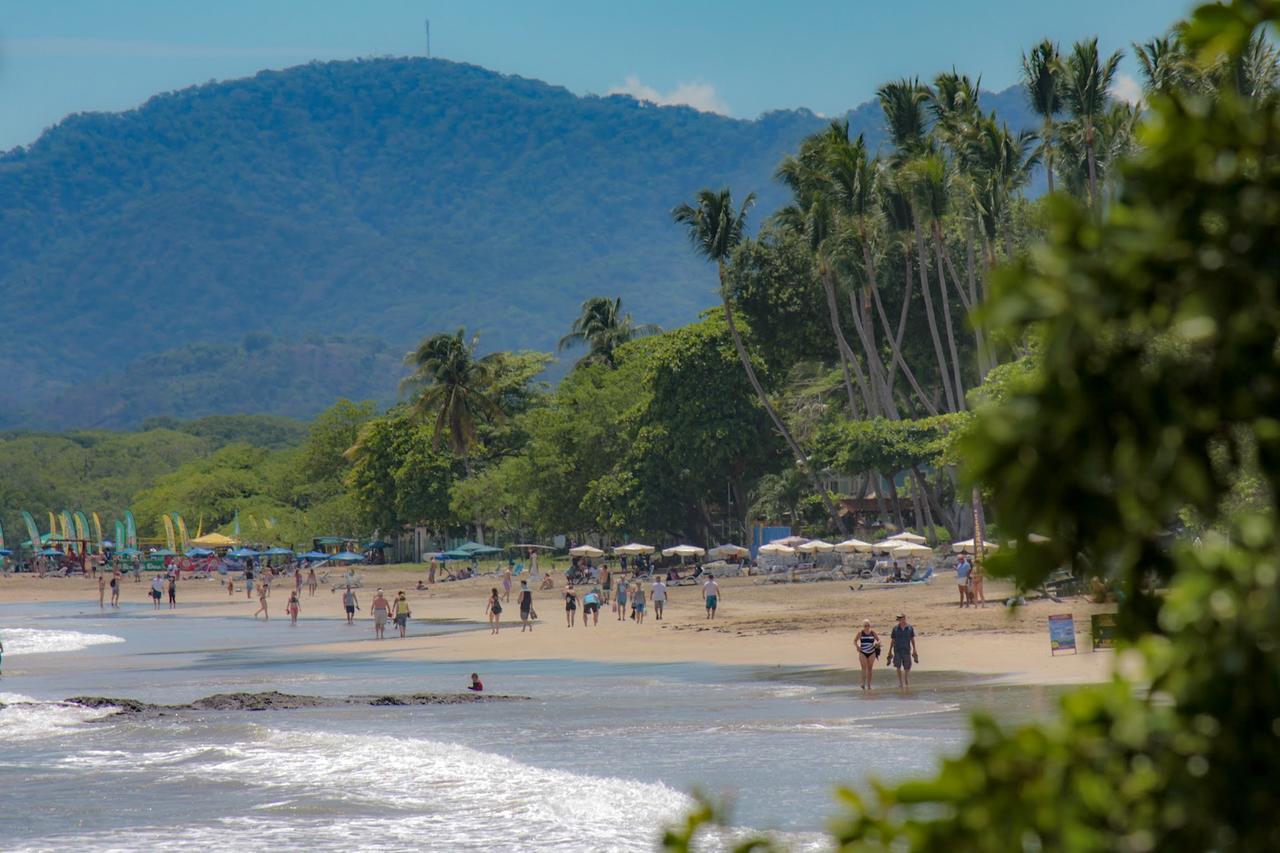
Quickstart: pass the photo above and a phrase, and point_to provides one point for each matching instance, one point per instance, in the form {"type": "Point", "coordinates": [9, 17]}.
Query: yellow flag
{"type": "Point", "coordinates": [168, 531]}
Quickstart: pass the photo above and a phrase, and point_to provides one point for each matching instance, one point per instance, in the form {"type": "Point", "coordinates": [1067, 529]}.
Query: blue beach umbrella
{"type": "Point", "coordinates": [52, 552]}
{"type": "Point", "coordinates": [241, 553]}
{"type": "Point", "coordinates": [314, 555]}
{"type": "Point", "coordinates": [349, 557]}
{"type": "Point", "coordinates": [278, 552]}
{"type": "Point", "coordinates": [163, 552]}
{"type": "Point", "coordinates": [199, 552]}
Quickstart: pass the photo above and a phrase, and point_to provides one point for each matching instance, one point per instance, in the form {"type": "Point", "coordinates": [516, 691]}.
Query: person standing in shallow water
{"type": "Point", "coordinates": [526, 606]}
{"type": "Point", "coordinates": [262, 604]}
{"type": "Point", "coordinates": [102, 590]}
{"type": "Point", "coordinates": [868, 646]}
{"type": "Point", "coordinates": [293, 607]}
{"type": "Point", "coordinates": [173, 591]}
{"type": "Point", "coordinates": [902, 650]}
{"type": "Point", "coordinates": [402, 613]}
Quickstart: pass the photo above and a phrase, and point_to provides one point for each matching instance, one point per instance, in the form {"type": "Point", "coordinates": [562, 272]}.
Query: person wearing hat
{"type": "Point", "coordinates": [902, 650]}
{"type": "Point", "coordinates": [380, 609]}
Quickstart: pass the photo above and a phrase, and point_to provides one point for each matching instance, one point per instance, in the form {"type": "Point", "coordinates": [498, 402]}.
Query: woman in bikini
{"type": "Point", "coordinates": [570, 606]}
{"type": "Point", "coordinates": [494, 610]}
{"type": "Point", "coordinates": [868, 642]}
{"type": "Point", "coordinates": [293, 607]}
{"type": "Point", "coordinates": [262, 603]}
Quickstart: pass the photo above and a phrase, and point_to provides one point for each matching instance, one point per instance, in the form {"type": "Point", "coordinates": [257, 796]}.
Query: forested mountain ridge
{"type": "Point", "coordinates": [384, 198]}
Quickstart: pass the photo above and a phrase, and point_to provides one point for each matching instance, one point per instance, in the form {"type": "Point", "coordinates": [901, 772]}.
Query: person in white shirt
{"type": "Point", "coordinates": [659, 596]}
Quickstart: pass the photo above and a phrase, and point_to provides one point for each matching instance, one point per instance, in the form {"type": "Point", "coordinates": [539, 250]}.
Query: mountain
{"type": "Point", "coordinates": [374, 199]}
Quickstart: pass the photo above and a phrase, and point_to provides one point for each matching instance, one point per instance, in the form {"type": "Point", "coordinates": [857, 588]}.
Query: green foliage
{"type": "Point", "coordinates": [398, 476]}
{"type": "Point", "coordinates": [885, 445]}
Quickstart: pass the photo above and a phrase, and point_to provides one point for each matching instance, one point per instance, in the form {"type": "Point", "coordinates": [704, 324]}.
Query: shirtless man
{"type": "Point", "coordinates": [380, 608]}
{"type": "Point", "coordinates": [350, 604]}
{"type": "Point", "coordinates": [711, 595]}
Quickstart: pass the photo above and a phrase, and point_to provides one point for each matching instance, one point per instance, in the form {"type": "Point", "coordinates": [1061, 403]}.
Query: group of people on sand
{"type": "Point", "coordinates": [902, 651]}
{"type": "Point", "coordinates": [969, 582]}
{"type": "Point", "coordinates": [631, 593]}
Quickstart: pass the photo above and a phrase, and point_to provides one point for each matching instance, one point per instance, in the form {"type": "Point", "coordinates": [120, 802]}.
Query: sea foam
{"type": "Point", "coordinates": [30, 641]}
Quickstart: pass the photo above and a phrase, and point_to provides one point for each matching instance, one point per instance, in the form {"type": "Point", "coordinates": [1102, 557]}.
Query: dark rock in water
{"type": "Point", "coordinates": [272, 700]}
{"type": "Point", "coordinates": [126, 706]}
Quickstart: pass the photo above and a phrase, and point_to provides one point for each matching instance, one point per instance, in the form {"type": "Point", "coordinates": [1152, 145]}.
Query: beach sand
{"type": "Point", "coordinates": [794, 625]}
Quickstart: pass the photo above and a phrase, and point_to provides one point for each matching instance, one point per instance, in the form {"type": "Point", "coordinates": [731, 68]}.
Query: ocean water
{"type": "Point", "coordinates": [599, 758]}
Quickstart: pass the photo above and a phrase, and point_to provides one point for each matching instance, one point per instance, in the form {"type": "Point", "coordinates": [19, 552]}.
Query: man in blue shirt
{"type": "Point", "coordinates": [902, 650]}
{"type": "Point", "coordinates": [963, 569]}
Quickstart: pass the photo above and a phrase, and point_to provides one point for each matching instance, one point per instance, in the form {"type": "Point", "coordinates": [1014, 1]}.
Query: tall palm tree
{"type": "Point", "coordinates": [1086, 79]}
{"type": "Point", "coordinates": [455, 389]}
{"type": "Point", "coordinates": [1042, 82]}
{"type": "Point", "coordinates": [1164, 65]}
{"type": "Point", "coordinates": [603, 327]}
{"type": "Point", "coordinates": [902, 103]}
{"type": "Point", "coordinates": [715, 228]}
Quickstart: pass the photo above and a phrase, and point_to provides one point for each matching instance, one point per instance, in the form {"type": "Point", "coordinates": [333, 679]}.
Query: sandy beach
{"type": "Point", "coordinates": [797, 625]}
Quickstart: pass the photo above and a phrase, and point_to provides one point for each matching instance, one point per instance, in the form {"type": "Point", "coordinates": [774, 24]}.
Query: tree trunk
{"type": "Point", "coordinates": [895, 349]}
{"type": "Point", "coordinates": [943, 373]}
{"type": "Point", "coordinates": [881, 507]}
{"type": "Point", "coordinates": [946, 316]}
{"type": "Point", "coordinates": [1093, 171]}
{"type": "Point", "coordinates": [971, 269]}
{"type": "Point", "coordinates": [1048, 151]}
{"type": "Point", "coordinates": [847, 358]}
{"type": "Point", "coordinates": [897, 501]}
{"type": "Point", "coordinates": [917, 502]}
{"type": "Point", "coordinates": [479, 522]}
{"type": "Point", "coordinates": [801, 459]}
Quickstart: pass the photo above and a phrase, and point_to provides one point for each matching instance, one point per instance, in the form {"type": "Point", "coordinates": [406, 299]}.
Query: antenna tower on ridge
{"type": "Point", "coordinates": [428, 38]}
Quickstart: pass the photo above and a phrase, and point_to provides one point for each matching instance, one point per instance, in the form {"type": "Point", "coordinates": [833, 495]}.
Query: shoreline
{"type": "Point", "coordinates": [807, 625]}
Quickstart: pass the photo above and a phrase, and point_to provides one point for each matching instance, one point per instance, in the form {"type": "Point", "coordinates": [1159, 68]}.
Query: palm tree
{"type": "Point", "coordinates": [1042, 81]}
{"type": "Point", "coordinates": [902, 103]}
{"type": "Point", "coordinates": [603, 327]}
{"type": "Point", "coordinates": [715, 228]}
{"type": "Point", "coordinates": [1164, 65]}
{"type": "Point", "coordinates": [1086, 79]}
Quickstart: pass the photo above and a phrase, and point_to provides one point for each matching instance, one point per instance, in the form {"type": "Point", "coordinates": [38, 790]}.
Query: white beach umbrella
{"type": "Point", "coordinates": [585, 551]}
{"type": "Point", "coordinates": [777, 549]}
{"type": "Point", "coordinates": [728, 551]}
{"type": "Point", "coordinates": [908, 536]}
{"type": "Point", "coordinates": [911, 549]}
{"type": "Point", "coordinates": [791, 541]}
{"type": "Point", "coordinates": [631, 549]}
{"type": "Point", "coordinates": [968, 545]}
{"type": "Point", "coordinates": [850, 545]}
{"type": "Point", "coordinates": [816, 546]}
{"type": "Point", "coordinates": [684, 551]}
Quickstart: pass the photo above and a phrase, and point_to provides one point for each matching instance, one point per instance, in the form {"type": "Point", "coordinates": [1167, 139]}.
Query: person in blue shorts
{"type": "Point", "coordinates": [711, 595]}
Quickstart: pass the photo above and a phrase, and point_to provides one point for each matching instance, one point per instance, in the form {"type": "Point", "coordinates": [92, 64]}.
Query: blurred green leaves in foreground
{"type": "Point", "coordinates": [1159, 392]}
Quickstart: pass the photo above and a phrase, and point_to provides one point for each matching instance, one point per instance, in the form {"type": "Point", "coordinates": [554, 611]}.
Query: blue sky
{"type": "Point", "coordinates": [739, 57]}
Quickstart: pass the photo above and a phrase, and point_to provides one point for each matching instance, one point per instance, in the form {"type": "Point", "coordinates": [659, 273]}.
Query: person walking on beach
{"type": "Point", "coordinates": [115, 588]}
{"type": "Point", "coordinates": [591, 607]}
{"type": "Point", "coordinates": [659, 596]}
{"type": "Point", "coordinates": [157, 592]}
{"type": "Point", "coordinates": [312, 583]}
{"type": "Point", "coordinates": [293, 607]}
{"type": "Point", "coordinates": [637, 599]}
{"type": "Point", "coordinates": [262, 605]}
{"type": "Point", "coordinates": [526, 606]}
{"type": "Point", "coordinates": [606, 582]}
{"type": "Point", "coordinates": [962, 579]}
{"type": "Point", "coordinates": [868, 643]}
{"type": "Point", "coordinates": [173, 591]}
{"type": "Point", "coordinates": [570, 605]}
{"type": "Point", "coordinates": [976, 596]}
{"type": "Point", "coordinates": [349, 603]}
{"type": "Point", "coordinates": [102, 590]}
{"type": "Point", "coordinates": [380, 609]}
{"type": "Point", "coordinates": [622, 598]}
{"type": "Point", "coordinates": [902, 650]}
{"type": "Point", "coordinates": [493, 610]}
{"type": "Point", "coordinates": [248, 582]}
{"type": "Point", "coordinates": [506, 585]}
{"type": "Point", "coordinates": [402, 613]}
{"type": "Point", "coordinates": [711, 595]}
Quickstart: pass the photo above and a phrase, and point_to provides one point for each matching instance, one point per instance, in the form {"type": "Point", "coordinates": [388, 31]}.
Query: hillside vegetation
{"type": "Point", "coordinates": [382, 199]}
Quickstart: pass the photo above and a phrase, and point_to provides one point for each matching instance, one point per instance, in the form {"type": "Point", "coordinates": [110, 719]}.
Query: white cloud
{"type": "Point", "coordinates": [1125, 88]}
{"type": "Point", "coordinates": [700, 96]}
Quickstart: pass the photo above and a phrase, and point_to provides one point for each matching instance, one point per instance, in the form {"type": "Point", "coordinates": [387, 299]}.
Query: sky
{"type": "Point", "coordinates": [737, 57]}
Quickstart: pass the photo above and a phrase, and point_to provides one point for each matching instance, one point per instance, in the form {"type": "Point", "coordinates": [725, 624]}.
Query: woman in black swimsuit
{"type": "Point", "coordinates": [868, 643]}
{"type": "Point", "coordinates": [494, 610]}
{"type": "Point", "coordinates": [570, 605]}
